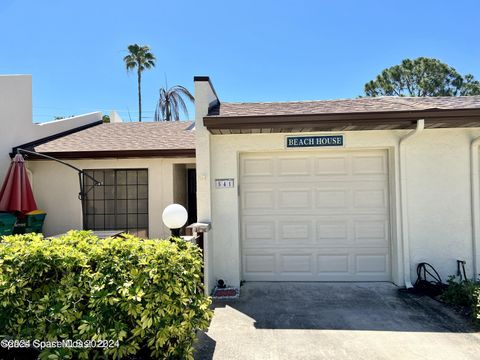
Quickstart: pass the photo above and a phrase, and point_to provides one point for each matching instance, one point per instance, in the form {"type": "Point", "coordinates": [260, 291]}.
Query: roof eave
{"type": "Point", "coordinates": [333, 121]}
{"type": "Point", "coordinates": [167, 153]}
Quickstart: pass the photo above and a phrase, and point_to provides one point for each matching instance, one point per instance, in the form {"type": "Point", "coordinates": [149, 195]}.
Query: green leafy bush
{"type": "Point", "coordinates": [466, 294]}
{"type": "Point", "coordinates": [144, 296]}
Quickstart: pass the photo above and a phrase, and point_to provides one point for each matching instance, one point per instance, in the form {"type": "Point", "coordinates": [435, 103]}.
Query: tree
{"type": "Point", "coordinates": [141, 58]}
{"type": "Point", "coordinates": [422, 77]}
{"type": "Point", "coordinates": [171, 102]}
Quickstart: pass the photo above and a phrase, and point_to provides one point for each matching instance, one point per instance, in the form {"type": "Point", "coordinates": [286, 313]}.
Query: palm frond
{"type": "Point", "coordinates": [171, 103]}
{"type": "Point", "coordinates": [175, 116]}
{"type": "Point", "coordinates": [184, 91]}
{"type": "Point", "coordinates": [181, 104]}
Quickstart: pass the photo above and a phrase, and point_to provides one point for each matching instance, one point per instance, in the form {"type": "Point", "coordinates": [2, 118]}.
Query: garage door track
{"type": "Point", "coordinates": [335, 321]}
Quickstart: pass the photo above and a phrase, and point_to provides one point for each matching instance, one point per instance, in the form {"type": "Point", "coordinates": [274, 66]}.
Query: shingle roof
{"type": "Point", "coordinates": [118, 137]}
{"type": "Point", "coordinates": [360, 105]}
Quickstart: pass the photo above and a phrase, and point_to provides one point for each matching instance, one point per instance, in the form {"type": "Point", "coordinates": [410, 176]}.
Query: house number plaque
{"type": "Point", "coordinates": [224, 183]}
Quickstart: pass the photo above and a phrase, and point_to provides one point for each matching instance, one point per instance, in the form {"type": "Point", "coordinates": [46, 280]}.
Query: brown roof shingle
{"type": "Point", "coordinates": [135, 138]}
{"type": "Point", "coordinates": [375, 104]}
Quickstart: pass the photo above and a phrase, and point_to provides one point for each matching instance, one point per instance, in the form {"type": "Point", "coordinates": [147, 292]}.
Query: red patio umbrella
{"type": "Point", "coordinates": [16, 193]}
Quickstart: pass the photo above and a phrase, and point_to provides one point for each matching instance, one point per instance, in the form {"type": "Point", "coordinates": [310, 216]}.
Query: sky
{"type": "Point", "coordinates": [263, 50]}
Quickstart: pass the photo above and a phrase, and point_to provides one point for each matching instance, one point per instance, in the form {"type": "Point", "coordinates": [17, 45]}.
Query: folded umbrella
{"type": "Point", "coordinates": [16, 194]}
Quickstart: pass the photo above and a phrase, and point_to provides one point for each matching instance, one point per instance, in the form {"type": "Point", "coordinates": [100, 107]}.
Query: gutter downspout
{"type": "Point", "coordinates": [474, 182]}
{"type": "Point", "coordinates": [403, 201]}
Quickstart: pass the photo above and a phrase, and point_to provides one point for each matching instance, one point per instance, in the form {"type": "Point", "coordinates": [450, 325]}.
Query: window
{"type": "Point", "coordinates": [120, 203]}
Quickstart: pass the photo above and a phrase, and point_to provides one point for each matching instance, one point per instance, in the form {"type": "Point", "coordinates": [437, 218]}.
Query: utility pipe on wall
{"type": "Point", "coordinates": [474, 183]}
{"type": "Point", "coordinates": [403, 200]}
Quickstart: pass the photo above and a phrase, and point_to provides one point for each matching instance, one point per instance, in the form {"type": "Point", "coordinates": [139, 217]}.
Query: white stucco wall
{"type": "Point", "coordinates": [16, 126]}
{"type": "Point", "coordinates": [56, 189]}
{"type": "Point", "coordinates": [204, 97]}
{"type": "Point", "coordinates": [438, 195]}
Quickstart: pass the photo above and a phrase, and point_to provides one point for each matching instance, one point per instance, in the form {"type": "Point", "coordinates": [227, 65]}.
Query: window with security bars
{"type": "Point", "coordinates": [120, 203]}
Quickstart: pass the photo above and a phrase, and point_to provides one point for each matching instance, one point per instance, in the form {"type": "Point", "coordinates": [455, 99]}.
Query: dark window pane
{"type": "Point", "coordinates": [121, 192]}
{"type": "Point", "coordinates": [143, 177]}
{"type": "Point", "coordinates": [109, 177]}
{"type": "Point", "coordinates": [109, 192]}
{"type": "Point", "coordinates": [110, 207]}
{"type": "Point", "coordinates": [132, 221]}
{"type": "Point", "coordinates": [132, 177]}
{"type": "Point", "coordinates": [142, 206]}
{"type": "Point", "coordinates": [98, 192]}
{"type": "Point", "coordinates": [89, 207]}
{"type": "Point", "coordinates": [121, 177]}
{"type": "Point", "coordinates": [99, 207]}
{"type": "Point", "coordinates": [142, 191]}
{"type": "Point", "coordinates": [90, 222]}
{"type": "Point", "coordinates": [143, 220]}
{"type": "Point", "coordinates": [99, 222]}
{"type": "Point", "coordinates": [109, 222]}
{"type": "Point", "coordinates": [122, 222]}
{"type": "Point", "coordinates": [121, 202]}
{"type": "Point", "coordinates": [87, 180]}
{"type": "Point", "coordinates": [121, 206]}
{"type": "Point", "coordinates": [132, 206]}
{"type": "Point", "coordinates": [131, 192]}
{"type": "Point", "coordinates": [99, 175]}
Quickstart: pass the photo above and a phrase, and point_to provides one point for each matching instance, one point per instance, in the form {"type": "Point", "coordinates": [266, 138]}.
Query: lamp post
{"type": "Point", "coordinates": [174, 217]}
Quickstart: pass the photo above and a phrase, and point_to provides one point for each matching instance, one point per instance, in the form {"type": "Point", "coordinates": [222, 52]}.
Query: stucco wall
{"type": "Point", "coordinates": [56, 189]}
{"type": "Point", "coordinates": [204, 97]}
{"type": "Point", "coordinates": [16, 126]}
{"type": "Point", "coordinates": [438, 195]}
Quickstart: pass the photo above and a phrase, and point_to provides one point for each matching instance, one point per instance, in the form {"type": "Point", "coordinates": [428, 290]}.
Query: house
{"type": "Point", "coordinates": [343, 190]}
{"type": "Point", "coordinates": [143, 166]}
{"type": "Point", "coordinates": [338, 190]}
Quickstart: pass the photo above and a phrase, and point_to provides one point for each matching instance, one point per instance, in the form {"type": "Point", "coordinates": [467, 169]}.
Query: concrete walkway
{"type": "Point", "coordinates": [335, 321]}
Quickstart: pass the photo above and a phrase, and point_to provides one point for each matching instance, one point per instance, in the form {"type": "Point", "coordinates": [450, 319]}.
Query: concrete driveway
{"type": "Point", "coordinates": [335, 321]}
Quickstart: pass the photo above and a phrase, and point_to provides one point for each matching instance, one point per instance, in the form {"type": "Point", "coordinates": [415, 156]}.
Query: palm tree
{"type": "Point", "coordinates": [141, 58]}
{"type": "Point", "coordinates": [171, 103]}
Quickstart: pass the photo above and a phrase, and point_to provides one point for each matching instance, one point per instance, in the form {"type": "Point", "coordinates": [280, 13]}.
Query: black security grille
{"type": "Point", "coordinates": [120, 203]}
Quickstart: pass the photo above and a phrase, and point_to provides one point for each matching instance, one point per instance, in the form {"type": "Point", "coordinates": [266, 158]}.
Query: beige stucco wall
{"type": "Point", "coordinates": [56, 189]}
{"type": "Point", "coordinates": [204, 97]}
{"type": "Point", "coordinates": [16, 126]}
{"type": "Point", "coordinates": [438, 195]}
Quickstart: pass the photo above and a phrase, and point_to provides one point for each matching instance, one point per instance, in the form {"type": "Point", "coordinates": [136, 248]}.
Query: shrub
{"type": "Point", "coordinates": [144, 296]}
{"type": "Point", "coordinates": [466, 294]}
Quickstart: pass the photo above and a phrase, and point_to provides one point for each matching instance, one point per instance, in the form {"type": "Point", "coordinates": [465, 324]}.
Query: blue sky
{"type": "Point", "coordinates": [252, 50]}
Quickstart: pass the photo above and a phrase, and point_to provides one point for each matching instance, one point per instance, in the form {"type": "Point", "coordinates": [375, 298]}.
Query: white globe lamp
{"type": "Point", "coordinates": [174, 217]}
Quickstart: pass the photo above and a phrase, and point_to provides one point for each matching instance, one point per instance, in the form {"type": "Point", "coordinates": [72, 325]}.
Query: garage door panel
{"type": "Point", "coordinates": [370, 199]}
{"type": "Point", "coordinates": [328, 224]}
{"type": "Point", "coordinates": [260, 263]}
{"type": "Point", "coordinates": [332, 230]}
{"type": "Point", "coordinates": [333, 264]}
{"type": "Point", "coordinates": [371, 263]}
{"type": "Point", "coordinates": [331, 198]}
{"type": "Point", "coordinates": [295, 232]}
{"type": "Point", "coordinates": [296, 263]}
{"type": "Point", "coordinates": [331, 165]}
{"type": "Point", "coordinates": [298, 166]}
{"type": "Point", "coordinates": [371, 232]}
{"type": "Point", "coordinates": [258, 199]}
{"type": "Point", "coordinates": [257, 167]}
{"type": "Point", "coordinates": [294, 198]}
{"type": "Point", "coordinates": [259, 232]}
{"type": "Point", "coordinates": [369, 164]}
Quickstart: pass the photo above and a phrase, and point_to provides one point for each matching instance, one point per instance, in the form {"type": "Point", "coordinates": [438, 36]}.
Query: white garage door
{"type": "Point", "coordinates": [315, 216]}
